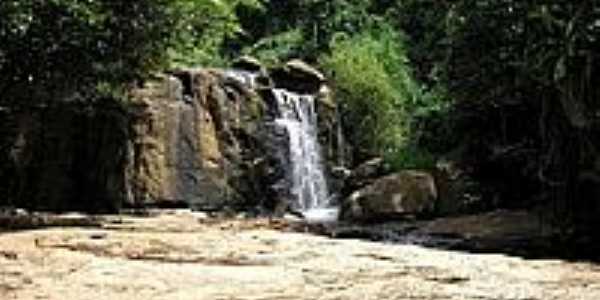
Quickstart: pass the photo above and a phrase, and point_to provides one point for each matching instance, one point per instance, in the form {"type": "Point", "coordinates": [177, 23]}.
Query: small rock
{"type": "Point", "coordinates": [9, 255]}
{"type": "Point", "coordinates": [98, 236]}
{"type": "Point", "coordinates": [340, 172]}
{"type": "Point", "coordinates": [305, 70]}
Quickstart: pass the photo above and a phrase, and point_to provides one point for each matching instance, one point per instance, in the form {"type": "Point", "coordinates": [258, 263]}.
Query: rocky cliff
{"type": "Point", "coordinates": [193, 137]}
{"type": "Point", "coordinates": [65, 156]}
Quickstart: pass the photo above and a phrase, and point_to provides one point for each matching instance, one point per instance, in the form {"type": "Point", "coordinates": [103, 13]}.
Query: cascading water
{"type": "Point", "coordinates": [246, 78]}
{"type": "Point", "coordinates": [297, 115]}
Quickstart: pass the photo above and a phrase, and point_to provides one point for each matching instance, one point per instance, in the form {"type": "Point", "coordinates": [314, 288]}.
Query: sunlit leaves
{"type": "Point", "coordinates": [379, 96]}
{"type": "Point", "coordinates": [202, 27]}
{"type": "Point", "coordinates": [63, 47]}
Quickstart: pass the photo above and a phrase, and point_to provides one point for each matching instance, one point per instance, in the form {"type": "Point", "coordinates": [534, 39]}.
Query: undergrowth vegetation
{"type": "Point", "coordinates": [379, 97]}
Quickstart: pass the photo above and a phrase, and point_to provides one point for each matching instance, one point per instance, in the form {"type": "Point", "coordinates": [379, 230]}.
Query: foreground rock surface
{"type": "Point", "coordinates": [182, 255]}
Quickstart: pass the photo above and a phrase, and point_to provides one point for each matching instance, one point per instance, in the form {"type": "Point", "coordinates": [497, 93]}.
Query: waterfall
{"type": "Point", "coordinates": [246, 78]}
{"type": "Point", "coordinates": [298, 117]}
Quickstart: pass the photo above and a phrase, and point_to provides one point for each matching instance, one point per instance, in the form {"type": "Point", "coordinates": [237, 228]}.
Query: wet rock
{"type": "Point", "coordinates": [302, 69]}
{"type": "Point", "coordinates": [189, 137]}
{"type": "Point", "coordinates": [341, 172]}
{"type": "Point", "coordinates": [406, 193]}
{"type": "Point", "coordinates": [298, 76]}
{"type": "Point", "coordinates": [194, 151]}
{"type": "Point", "coordinates": [331, 137]}
{"type": "Point", "coordinates": [216, 149]}
{"type": "Point", "coordinates": [248, 63]}
{"type": "Point", "coordinates": [325, 97]}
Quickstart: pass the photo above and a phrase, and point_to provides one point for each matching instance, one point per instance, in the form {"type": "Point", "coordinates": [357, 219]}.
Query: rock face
{"type": "Point", "coordinates": [68, 156]}
{"type": "Point", "coordinates": [406, 193]}
{"type": "Point", "coordinates": [304, 70]}
{"type": "Point", "coordinates": [182, 128]}
{"type": "Point", "coordinates": [297, 76]}
{"type": "Point", "coordinates": [248, 63]}
{"type": "Point", "coordinates": [203, 141]}
{"type": "Point", "coordinates": [193, 137]}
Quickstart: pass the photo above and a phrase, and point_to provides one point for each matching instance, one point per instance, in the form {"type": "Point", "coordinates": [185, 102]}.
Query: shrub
{"type": "Point", "coordinates": [379, 98]}
{"type": "Point", "coordinates": [273, 49]}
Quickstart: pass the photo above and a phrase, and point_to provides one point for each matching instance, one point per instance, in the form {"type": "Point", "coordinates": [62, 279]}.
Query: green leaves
{"type": "Point", "coordinates": [202, 27]}
{"type": "Point", "coordinates": [279, 47]}
{"type": "Point", "coordinates": [523, 76]}
{"type": "Point", "coordinates": [60, 48]}
{"type": "Point", "coordinates": [379, 96]}
{"type": "Point", "coordinates": [317, 21]}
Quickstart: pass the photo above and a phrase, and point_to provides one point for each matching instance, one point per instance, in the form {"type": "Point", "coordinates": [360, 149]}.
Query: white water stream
{"type": "Point", "coordinates": [246, 78]}
{"type": "Point", "coordinates": [297, 115]}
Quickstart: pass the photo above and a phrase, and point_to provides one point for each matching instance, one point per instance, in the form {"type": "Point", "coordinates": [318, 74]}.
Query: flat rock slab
{"type": "Point", "coordinates": [184, 256]}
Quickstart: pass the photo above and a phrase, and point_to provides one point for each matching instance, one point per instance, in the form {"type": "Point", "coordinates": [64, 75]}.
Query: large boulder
{"type": "Point", "coordinates": [304, 70]}
{"type": "Point", "coordinates": [248, 63]}
{"type": "Point", "coordinates": [299, 77]}
{"type": "Point", "coordinates": [406, 193]}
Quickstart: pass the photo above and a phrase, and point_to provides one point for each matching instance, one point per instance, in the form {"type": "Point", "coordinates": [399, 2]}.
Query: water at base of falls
{"type": "Point", "coordinates": [321, 215]}
{"type": "Point", "coordinates": [305, 172]}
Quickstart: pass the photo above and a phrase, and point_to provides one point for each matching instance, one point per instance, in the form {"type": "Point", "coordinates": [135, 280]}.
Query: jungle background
{"type": "Point", "coordinates": [504, 90]}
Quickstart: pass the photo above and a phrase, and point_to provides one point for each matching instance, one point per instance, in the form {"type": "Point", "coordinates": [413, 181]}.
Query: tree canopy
{"type": "Point", "coordinates": [53, 48]}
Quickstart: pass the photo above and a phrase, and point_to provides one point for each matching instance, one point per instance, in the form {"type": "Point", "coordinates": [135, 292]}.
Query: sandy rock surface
{"type": "Point", "coordinates": [188, 256]}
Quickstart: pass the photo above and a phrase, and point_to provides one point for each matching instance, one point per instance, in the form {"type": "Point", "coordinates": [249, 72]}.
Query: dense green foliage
{"type": "Point", "coordinates": [51, 49]}
{"type": "Point", "coordinates": [54, 47]}
{"type": "Point", "coordinates": [301, 28]}
{"type": "Point", "coordinates": [525, 116]}
{"type": "Point", "coordinates": [203, 27]}
{"type": "Point", "coordinates": [541, 69]}
{"type": "Point", "coordinates": [378, 96]}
